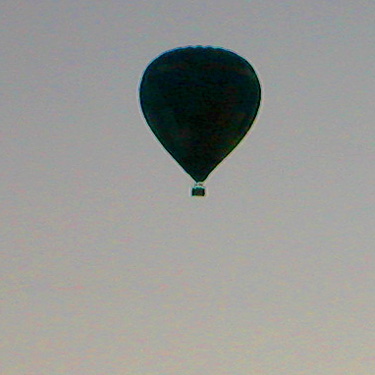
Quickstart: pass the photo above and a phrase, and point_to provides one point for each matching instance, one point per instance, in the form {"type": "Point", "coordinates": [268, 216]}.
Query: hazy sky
{"type": "Point", "coordinates": [108, 266]}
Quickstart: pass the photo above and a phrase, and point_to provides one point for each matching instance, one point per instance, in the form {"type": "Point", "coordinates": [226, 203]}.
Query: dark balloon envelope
{"type": "Point", "coordinates": [199, 102]}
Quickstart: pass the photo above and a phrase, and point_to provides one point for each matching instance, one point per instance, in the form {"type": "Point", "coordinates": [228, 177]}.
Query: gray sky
{"type": "Point", "coordinates": [108, 266]}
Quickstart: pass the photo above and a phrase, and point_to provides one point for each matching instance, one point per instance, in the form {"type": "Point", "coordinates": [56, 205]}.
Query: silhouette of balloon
{"type": "Point", "coordinates": [199, 102]}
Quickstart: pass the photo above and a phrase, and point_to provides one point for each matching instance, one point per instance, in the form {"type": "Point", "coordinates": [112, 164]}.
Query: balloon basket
{"type": "Point", "coordinates": [198, 190]}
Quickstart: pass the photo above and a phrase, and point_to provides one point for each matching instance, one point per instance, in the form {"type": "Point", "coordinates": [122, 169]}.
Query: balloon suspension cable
{"type": "Point", "coordinates": [198, 190]}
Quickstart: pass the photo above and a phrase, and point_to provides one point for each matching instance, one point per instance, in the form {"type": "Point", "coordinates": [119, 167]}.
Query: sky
{"type": "Point", "coordinates": [109, 266]}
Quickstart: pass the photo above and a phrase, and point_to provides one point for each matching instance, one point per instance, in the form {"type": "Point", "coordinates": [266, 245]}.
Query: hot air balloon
{"type": "Point", "coordinates": [199, 102]}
